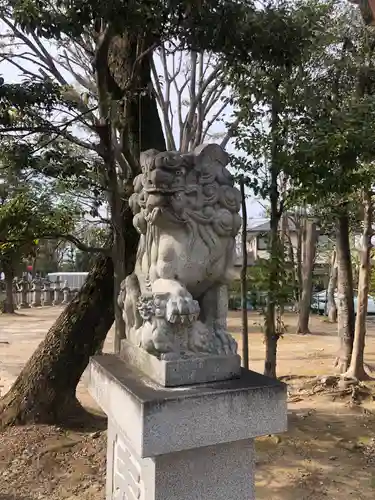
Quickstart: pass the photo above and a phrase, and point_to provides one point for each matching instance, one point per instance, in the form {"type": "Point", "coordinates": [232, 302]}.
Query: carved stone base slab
{"type": "Point", "coordinates": [190, 371]}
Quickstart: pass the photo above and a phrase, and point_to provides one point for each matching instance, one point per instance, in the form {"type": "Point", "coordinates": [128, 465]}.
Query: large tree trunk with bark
{"type": "Point", "coordinates": [44, 391]}
{"type": "Point", "coordinates": [310, 240]}
{"type": "Point", "coordinates": [141, 130]}
{"type": "Point", "coordinates": [344, 292]}
{"type": "Point", "coordinates": [332, 284]}
{"type": "Point", "coordinates": [356, 368]}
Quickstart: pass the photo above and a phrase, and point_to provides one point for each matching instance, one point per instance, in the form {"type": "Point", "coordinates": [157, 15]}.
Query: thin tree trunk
{"type": "Point", "coordinates": [271, 336]}
{"type": "Point", "coordinates": [45, 389]}
{"type": "Point", "coordinates": [292, 261]}
{"type": "Point", "coordinates": [331, 303]}
{"type": "Point", "coordinates": [8, 306]}
{"type": "Point", "coordinates": [105, 129]}
{"type": "Point", "coordinates": [307, 275]}
{"type": "Point", "coordinates": [299, 257]}
{"type": "Point", "coordinates": [356, 368]}
{"type": "Point", "coordinates": [283, 249]}
{"type": "Point", "coordinates": [345, 312]}
{"type": "Point", "coordinates": [245, 335]}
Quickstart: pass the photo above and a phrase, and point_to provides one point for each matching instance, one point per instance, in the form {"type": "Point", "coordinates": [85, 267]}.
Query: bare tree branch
{"type": "Point", "coordinates": [213, 119]}
{"type": "Point", "coordinates": [79, 244]}
{"type": "Point", "coordinates": [200, 115]}
{"type": "Point", "coordinates": [164, 104]}
{"type": "Point", "coordinates": [232, 127]}
{"type": "Point", "coordinates": [189, 120]}
{"type": "Point", "coordinates": [196, 85]}
{"type": "Point", "coordinates": [87, 83]}
{"type": "Point", "coordinates": [49, 60]}
{"type": "Point", "coordinates": [59, 130]}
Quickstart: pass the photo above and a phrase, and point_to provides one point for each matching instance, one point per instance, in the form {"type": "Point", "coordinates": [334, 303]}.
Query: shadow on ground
{"type": "Point", "coordinates": [323, 455]}
{"type": "Point", "coordinates": [85, 421]}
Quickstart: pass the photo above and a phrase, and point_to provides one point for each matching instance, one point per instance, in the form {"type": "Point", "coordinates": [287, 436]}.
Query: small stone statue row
{"type": "Point", "coordinates": [35, 294]}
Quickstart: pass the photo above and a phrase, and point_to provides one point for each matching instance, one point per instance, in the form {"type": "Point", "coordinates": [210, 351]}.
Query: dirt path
{"type": "Point", "coordinates": [20, 334]}
{"type": "Point", "coordinates": [328, 451]}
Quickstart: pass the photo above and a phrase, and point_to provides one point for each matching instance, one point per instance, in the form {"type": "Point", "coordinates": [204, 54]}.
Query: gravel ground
{"type": "Point", "coordinates": [40, 462]}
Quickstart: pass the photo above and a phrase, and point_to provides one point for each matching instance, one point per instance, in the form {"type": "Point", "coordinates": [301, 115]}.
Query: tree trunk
{"type": "Point", "coordinates": [300, 231]}
{"type": "Point", "coordinates": [8, 306]}
{"type": "Point", "coordinates": [141, 130]}
{"type": "Point", "coordinates": [245, 334]}
{"type": "Point", "coordinates": [307, 276]}
{"type": "Point", "coordinates": [292, 260]}
{"type": "Point", "coordinates": [44, 392]}
{"type": "Point", "coordinates": [331, 303]}
{"type": "Point", "coordinates": [271, 336]}
{"type": "Point", "coordinates": [356, 368]}
{"type": "Point", "coordinates": [344, 292]}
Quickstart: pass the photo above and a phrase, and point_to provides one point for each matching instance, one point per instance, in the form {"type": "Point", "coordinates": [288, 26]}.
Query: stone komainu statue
{"type": "Point", "coordinates": [186, 211]}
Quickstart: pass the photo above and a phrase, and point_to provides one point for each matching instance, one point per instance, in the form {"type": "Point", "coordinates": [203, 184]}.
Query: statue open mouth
{"type": "Point", "coordinates": [163, 190]}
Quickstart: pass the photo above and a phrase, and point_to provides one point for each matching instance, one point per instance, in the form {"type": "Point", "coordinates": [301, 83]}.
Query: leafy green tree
{"type": "Point", "coordinates": [120, 118]}
{"type": "Point", "coordinates": [120, 115]}
{"type": "Point", "coordinates": [28, 211]}
{"type": "Point", "coordinates": [338, 145]}
{"type": "Point", "coordinates": [269, 95]}
{"type": "Point", "coordinates": [119, 40]}
{"type": "Point", "coordinates": [312, 106]}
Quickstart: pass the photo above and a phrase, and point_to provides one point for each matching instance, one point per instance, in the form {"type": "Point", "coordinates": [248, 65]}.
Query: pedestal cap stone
{"type": "Point", "coordinates": [160, 420]}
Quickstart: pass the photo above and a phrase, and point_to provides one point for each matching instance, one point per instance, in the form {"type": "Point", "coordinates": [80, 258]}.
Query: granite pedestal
{"type": "Point", "coordinates": [183, 443]}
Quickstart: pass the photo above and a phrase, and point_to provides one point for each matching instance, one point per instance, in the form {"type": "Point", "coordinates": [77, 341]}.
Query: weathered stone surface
{"type": "Point", "coordinates": [186, 211]}
{"type": "Point", "coordinates": [162, 420]}
{"type": "Point", "coordinates": [177, 372]}
{"type": "Point", "coordinates": [221, 472]}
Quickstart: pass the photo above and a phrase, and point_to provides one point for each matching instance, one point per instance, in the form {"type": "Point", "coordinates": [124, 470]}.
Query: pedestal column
{"type": "Point", "coordinates": [183, 443]}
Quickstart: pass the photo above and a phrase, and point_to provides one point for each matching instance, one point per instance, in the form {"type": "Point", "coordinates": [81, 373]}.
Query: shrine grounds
{"type": "Point", "coordinates": [328, 451]}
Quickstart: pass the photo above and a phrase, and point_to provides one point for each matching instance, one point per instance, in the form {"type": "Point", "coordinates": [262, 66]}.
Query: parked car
{"type": "Point", "coordinates": [234, 304]}
{"type": "Point", "coordinates": [319, 303]}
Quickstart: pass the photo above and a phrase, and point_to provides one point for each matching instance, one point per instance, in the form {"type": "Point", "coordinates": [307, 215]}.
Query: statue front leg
{"type": "Point", "coordinates": [180, 306]}
{"type": "Point", "coordinates": [167, 313]}
{"type": "Point", "coordinates": [214, 311]}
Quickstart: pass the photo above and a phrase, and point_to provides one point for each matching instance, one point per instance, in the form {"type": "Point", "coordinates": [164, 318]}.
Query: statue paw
{"type": "Point", "coordinates": [225, 342]}
{"type": "Point", "coordinates": [182, 309]}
